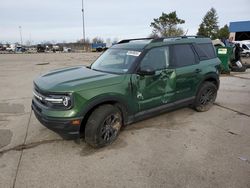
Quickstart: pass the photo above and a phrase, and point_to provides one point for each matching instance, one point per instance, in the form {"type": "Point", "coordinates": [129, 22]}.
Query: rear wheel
{"type": "Point", "coordinates": [205, 97]}
{"type": "Point", "coordinates": [103, 126]}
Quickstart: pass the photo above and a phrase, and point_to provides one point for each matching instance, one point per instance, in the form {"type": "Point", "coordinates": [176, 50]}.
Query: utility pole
{"type": "Point", "coordinates": [21, 37]}
{"type": "Point", "coordinates": [83, 25]}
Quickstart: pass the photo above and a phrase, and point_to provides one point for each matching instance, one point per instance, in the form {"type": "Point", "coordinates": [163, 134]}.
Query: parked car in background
{"type": "Point", "coordinates": [57, 48]}
{"type": "Point", "coordinates": [245, 46]}
{"type": "Point", "coordinates": [41, 48]}
{"type": "Point", "coordinates": [67, 50]}
{"type": "Point", "coordinates": [20, 49]}
{"type": "Point", "coordinates": [11, 48]}
{"type": "Point", "coordinates": [98, 47]}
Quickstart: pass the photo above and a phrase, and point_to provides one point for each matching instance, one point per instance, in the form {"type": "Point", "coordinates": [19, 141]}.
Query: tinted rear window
{"type": "Point", "coordinates": [183, 55]}
{"type": "Point", "coordinates": [205, 51]}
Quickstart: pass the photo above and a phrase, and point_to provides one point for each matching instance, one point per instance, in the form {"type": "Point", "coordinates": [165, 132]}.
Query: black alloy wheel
{"type": "Point", "coordinates": [205, 97]}
{"type": "Point", "coordinates": [103, 126]}
{"type": "Point", "coordinates": [111, 127]}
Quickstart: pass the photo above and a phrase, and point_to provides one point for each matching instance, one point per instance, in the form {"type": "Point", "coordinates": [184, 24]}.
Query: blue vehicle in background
{"type": "Point", "coordinates": [98, 47]}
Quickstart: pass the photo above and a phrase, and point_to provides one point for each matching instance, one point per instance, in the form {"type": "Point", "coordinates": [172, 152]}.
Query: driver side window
{"type": "Point", "coordinates": [156, 58]}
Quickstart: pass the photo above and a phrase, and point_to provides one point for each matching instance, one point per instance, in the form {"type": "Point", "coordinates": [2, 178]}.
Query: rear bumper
{"type": "Point", "coordinates": [62, 126]}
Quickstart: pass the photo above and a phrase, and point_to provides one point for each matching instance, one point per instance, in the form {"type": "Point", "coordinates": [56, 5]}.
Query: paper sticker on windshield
{"type": "Point", "coordinates": [222, 51]}
{"type": "Point", "coordinates": [124, 70]}
{"type": "Point", "coordinates": [133, 53]}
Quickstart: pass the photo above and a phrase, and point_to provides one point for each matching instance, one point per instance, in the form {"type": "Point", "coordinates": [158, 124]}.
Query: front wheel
{"type": "Point", "coordinates": [103, 126]}
{"type": "Point", "coordinates": [205, 97]}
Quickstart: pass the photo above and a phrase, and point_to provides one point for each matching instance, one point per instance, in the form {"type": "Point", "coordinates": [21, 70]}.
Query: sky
{"type": "Point", "coordinates": [61, 20]}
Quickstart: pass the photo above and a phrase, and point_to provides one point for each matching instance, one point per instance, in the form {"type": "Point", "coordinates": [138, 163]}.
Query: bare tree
{"type": "Point", "coordinates": [97, 40]}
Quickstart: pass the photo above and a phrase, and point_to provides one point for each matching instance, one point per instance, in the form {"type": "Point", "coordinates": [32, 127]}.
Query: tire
{"type": "Point", "coordinates": [247, 66]}
{"type": "Point", "coordinates": [237, 69]}
{"type": "Point", "coordinates": [103, 126]}
{"type": "Point", "coordinates": [205, 97]}
{"type": "Point", "coordinates": [99, 49]}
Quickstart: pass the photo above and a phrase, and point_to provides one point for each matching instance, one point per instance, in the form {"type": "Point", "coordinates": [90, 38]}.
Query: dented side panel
{"type": "Point", "coordinates": [155, 90]}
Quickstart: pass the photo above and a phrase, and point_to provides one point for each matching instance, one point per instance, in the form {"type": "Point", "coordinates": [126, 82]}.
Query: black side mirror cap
{"type": "Point", "coordinates": [146, 71]}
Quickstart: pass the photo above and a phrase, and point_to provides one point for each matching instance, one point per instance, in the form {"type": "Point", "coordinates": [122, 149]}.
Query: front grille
{"type": "Point", "coordinates": [36, 107]}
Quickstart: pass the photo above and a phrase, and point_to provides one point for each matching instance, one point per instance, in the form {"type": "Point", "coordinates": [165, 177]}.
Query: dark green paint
{"type": "Point", "coordinates": [137, 92]}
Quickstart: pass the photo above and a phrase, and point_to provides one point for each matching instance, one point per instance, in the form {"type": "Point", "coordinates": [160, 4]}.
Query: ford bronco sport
{"type": "Point", "coordinates": [131, 81]}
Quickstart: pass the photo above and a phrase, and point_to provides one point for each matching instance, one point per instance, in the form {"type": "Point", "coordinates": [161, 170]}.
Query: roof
{"type": "Point", "coordinates": [135, 44]}
{"type": "Point", "coordinates": [239, 26]}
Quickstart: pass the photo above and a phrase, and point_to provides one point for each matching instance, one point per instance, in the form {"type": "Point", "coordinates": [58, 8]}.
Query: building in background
{"type": "Point", "coordinates": [240, 30]}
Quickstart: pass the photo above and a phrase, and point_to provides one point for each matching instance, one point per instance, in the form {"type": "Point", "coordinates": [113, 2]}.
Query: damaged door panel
{"type": "Point", "coordinates": [155, 90]}
{"type": "Point", "coordinates": [159, 88]}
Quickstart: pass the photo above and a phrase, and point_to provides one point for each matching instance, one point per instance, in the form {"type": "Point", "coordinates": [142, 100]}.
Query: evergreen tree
{"type": "Point", "coordinates": [223, 32]}
{"type": "Point", "coordinates": [166, 25]}
{"type": "Point", "coordinates": [209, 25]}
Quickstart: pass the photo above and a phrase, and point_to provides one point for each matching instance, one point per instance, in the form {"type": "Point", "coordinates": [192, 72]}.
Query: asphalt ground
{"type": "Point", "coordinates": [182, 148]}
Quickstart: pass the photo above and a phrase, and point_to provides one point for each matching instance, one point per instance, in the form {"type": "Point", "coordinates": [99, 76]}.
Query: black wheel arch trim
{"type": "Point", "coordinates": [209, 77]}
{"type": "Point", "coordinates": [99, 100]}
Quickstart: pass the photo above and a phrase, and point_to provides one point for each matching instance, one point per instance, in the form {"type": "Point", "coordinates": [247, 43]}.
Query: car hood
{"type": "Point", "coordinates": [75, 79]}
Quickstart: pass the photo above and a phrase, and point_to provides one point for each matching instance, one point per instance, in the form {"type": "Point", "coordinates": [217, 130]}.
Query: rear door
{"type": "Point", "coordinates": [188, 71]}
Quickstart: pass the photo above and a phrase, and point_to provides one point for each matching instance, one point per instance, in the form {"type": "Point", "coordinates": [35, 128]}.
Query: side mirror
{"type": "Point", "coordinates": [146, 70]}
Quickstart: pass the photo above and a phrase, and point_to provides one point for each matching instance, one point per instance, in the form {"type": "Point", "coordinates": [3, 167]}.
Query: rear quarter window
{"type": "Point", "coordinates": [183, 55]}
{"type": "Point", "coordinates": [205, 51]}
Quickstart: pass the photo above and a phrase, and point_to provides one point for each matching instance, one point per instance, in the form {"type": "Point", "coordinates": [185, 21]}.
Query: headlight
{"type": "Point", "coordinates": [59, 101]}
{"type": "Point", "coordinates": [54, 100]}
{"type": "Point", "coordinates": [66, 101]}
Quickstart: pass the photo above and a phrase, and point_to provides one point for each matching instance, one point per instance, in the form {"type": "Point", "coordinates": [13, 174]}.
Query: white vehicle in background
{"type": "Point", "coordinates": [55, 48]}
{"type": "Point", "coordinates": [11, 48]}
{"type": "Point", "coordinates": [66, 50]}
{"type": "Point", "coordinates": [245, 46]}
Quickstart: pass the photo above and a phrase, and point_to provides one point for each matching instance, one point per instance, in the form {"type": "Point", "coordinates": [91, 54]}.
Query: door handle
{"type": "Point", "coordinates": [197, 70]}
{"type": "Point", "coordinates": [164, 75]}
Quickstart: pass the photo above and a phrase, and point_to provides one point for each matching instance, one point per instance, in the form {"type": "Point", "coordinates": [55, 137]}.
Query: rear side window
{"type": "Point", "coordinates": [205, 51]}
{"type": "Point", "coordinates": [183, 55]}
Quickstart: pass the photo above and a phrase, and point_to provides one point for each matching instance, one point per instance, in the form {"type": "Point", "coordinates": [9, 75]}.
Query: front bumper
{"type": "Point", "coordinates": [62, 126]}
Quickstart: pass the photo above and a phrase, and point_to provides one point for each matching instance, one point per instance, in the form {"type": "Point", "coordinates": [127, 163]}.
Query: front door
{"type": "Point", "coordinates": [158, 89]}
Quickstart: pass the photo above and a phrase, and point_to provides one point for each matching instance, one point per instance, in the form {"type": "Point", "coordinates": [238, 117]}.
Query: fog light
{"type": "Point", "coordinates": [76, 122]}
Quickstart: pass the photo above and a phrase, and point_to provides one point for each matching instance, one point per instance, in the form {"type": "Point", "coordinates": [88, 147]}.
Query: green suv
{"type": "Point", "coordinates": [133, 80]}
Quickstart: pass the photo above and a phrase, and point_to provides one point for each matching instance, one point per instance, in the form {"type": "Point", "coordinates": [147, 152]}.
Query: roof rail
{"type": "Point", "coordinates": [176, 37]}
{"type": "Point", "coordinates": [161, 39]}
{"type": "Point", "coordinates": [128, 40]}
{"type": "Point", "coordinates": [192, 36]}
{"type": "Point", "coordinates": [157, 40]}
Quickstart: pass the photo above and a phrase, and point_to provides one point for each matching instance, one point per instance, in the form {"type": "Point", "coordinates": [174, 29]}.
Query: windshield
{"type": "Point", "coordinates": [115, 61]}
{"type": "Point", "coordinates": [248, 45]}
